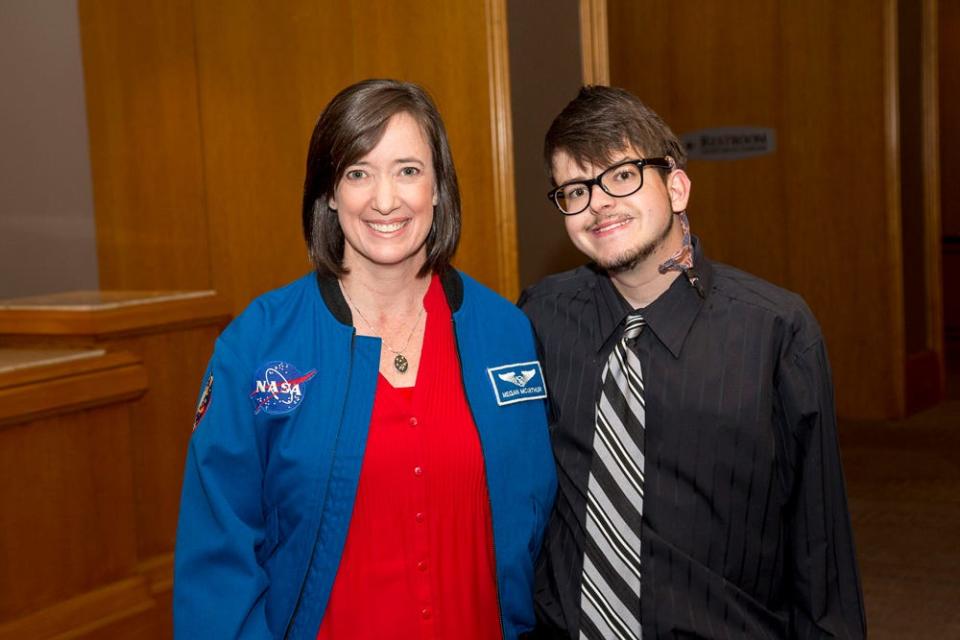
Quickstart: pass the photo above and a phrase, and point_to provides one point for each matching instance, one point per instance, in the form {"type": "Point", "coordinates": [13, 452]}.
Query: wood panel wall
{"type": "Point", "coordinates": [821, 215]}
{"type": "Point", "coordinates": [949, 95]}
{"type": "Point", "coordinates": [65, 437]}
{"type": "Point", "coordinates": [949, 61]}
{"type": "Point", "coordinates": [91, 488]}
{"type": "Point", "coordinates": [201, 110]}
{"type": "Point", "coordinates": [146, 149]}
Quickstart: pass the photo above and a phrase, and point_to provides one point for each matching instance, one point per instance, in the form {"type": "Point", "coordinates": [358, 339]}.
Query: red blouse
{"type": "Point", "coordinates": [418, 560]}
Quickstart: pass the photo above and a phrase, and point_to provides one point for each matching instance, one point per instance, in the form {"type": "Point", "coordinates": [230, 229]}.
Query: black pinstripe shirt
{"type": "Point", "coordinates": [746, 532]}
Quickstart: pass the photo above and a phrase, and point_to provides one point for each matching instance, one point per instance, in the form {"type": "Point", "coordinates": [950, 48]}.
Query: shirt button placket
{"type": "Point", "coordinates": [421, 546]}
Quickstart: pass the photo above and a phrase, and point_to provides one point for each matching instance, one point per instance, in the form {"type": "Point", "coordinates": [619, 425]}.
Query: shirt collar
{"type": "Point", "coordinates": [450, 281]}
{"type": "Point", "coordinates": [669, 317]}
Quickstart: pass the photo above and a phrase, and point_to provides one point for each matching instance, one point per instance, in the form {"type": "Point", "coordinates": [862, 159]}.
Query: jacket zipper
{"type": "Point", "coordinates": [313, 550]}
{"type": "Point", "coordinates": [493, 539]}
{"type": "Point", "coordinates": [296, 607]}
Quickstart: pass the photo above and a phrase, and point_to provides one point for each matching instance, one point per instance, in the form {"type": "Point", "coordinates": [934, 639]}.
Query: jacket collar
{"type": "Point", "coordinates": [333, 296]}
{"type": "Point", "coordinates": [669, 317]}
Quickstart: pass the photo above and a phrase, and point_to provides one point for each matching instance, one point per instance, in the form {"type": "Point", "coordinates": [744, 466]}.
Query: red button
{"type": "Point", "coordinates": [414, 422]}
{"type": "Point", "coordinates": [426, 613]}
{"type": "Point", "coordinates": [422, 565]}
{"type": "Point", "coordinates": [421, 516]}
{"type": "Point", "coordinates": [418, 471]}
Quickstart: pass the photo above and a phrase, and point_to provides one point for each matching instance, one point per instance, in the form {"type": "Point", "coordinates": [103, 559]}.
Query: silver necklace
{"type": "Point", "coordinates": [400, 362]}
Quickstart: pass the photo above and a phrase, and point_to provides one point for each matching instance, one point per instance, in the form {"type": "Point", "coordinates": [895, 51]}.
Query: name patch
{"type": "Point", "coordinates": [517, 382]}
{"type": "Point", "coordinates": [278, 388]}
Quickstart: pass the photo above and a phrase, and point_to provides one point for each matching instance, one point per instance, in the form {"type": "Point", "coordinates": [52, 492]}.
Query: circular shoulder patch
{"type": "Point", "coordinates": [204, 402]}
{"type": "Point", "coordinates": [278, 387]}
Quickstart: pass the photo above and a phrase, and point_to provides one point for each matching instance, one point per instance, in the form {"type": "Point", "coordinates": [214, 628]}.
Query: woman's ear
{"type": "Point", "coordinates": [332, 204]}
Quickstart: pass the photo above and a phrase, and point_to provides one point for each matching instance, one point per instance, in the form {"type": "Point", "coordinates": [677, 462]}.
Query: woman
{"type": "Point", "coordinates": [370, 456]}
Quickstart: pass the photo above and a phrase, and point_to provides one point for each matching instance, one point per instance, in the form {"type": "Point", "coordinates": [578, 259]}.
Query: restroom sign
{"type": "Point", "coordinates": [729, 143]}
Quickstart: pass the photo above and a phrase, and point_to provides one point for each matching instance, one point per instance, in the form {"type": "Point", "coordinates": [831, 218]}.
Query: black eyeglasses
{"type": "Point", "coordinates": [621, 180]}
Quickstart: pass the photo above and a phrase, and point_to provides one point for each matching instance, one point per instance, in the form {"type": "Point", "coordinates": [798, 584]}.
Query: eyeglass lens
{"type": "Point", "coordinates": [619, 180]}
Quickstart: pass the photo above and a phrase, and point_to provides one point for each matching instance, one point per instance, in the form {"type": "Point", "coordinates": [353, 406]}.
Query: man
{"type": "Point", "coordinates": [700, 487]}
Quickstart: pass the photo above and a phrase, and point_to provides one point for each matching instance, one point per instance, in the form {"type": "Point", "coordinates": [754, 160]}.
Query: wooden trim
{"type": "Point", "coordinates": [83, 614]}
{"type": "Point", "coordinates": [148, 317]}
{"type": "Point", "coordinates": [505, 211]}
{"type": "Point", "coordinates": [594, 47]}
{"type": "Point", "coordinates": [893, 280]}
{"type": "Point", "coordinates": [66, 369]}
{"type": "Point", "coordinates": [28, 394]}
{"type": "Point", "coordinates": [29, 360]}
{"type": "Point", "coordinates": [158, 572]}
{"type": "Point", "coordinates": [932, 225]}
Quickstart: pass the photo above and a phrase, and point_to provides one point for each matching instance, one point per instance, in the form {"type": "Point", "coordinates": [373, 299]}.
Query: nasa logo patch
{"type": "Point", "coordinates": [278, 388]}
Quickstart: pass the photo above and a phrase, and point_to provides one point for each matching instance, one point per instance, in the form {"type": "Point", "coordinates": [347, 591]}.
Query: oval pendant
{"type": "Point", "coordinates": [400, 363]}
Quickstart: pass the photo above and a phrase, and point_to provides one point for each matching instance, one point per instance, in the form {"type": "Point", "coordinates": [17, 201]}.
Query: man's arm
{"type": "Point", "coordinates": [550, 622]}
{"type": "Point", "coordinates": [824, 582]}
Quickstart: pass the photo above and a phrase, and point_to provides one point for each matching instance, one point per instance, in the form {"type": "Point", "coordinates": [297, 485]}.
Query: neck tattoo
{"type": "Point", "coordinates": [400, 362]}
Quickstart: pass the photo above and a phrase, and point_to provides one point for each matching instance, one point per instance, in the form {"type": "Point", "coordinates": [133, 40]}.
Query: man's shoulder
{"type": "Point", "coordinates": [736, 284]}
{"type": "Point", "coordinates": [739, 287]}
{"type": "Point", "coordinates": [563, 284]}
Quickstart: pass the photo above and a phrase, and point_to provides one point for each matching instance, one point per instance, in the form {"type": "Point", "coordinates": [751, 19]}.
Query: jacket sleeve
{"type": "Point", "coordinates": [219, 586]}
{"type": "Point", "coordinates": [823, 580]}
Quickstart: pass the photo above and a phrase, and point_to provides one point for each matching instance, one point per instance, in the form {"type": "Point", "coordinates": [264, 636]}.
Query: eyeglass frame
{"type": "Point", "coordinates": [665, 162]}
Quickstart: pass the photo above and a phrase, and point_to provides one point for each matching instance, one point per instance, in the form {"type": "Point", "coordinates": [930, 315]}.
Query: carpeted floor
{"type": "Point", "coordinates": [903, 482]}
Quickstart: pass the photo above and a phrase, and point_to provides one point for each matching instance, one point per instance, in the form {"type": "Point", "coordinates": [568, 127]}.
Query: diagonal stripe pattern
{"type": "Point", "coordinates": [610, 583]}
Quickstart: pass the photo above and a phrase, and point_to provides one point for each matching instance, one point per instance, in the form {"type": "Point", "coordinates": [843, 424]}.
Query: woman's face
{"type": "Point", "coordinates": [385, 200]}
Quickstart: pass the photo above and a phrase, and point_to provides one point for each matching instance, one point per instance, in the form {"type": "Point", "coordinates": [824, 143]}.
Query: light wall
{"type": "Point", "coordinates": [46, 207]}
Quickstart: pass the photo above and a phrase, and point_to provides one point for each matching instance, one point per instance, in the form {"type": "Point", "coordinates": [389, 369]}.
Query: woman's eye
{"type": "Point", "coordinates": [409, 172]}
{"type": "Point", "coordinates": [356, 174]}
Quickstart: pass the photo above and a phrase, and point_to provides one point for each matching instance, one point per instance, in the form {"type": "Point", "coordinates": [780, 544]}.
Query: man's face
{"type": "Point", "coordinates": [620, 233]}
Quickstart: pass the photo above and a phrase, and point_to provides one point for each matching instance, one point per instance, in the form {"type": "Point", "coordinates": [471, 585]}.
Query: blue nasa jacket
{"type": "Point", "coordinates": [273, 465]}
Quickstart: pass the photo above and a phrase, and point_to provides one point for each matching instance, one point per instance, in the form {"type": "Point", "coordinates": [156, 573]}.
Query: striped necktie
{"type": "Point", "coordinates": [610, 583]}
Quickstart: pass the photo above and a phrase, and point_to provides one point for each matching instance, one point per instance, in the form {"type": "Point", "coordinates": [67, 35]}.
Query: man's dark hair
{"type": "Point", "coordinates": [347, 130]}
{"type": "Point", "coordinates": [602, 121]}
